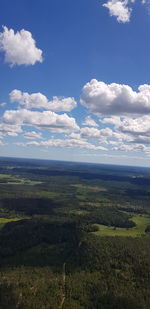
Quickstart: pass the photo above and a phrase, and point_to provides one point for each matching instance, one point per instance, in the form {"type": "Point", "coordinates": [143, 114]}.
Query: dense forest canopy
{"type": "Point", "coordinates": [74, 235]}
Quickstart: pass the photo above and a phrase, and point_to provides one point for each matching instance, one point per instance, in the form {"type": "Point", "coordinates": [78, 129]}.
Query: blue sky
{"type": "Point", "coordinates": [75, 80]}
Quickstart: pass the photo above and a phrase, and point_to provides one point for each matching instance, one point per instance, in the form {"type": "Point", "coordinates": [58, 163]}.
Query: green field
{"type": "Point", "coordinates": [141, 221]}
{"type": "Point", "coordinates": [11, 180]}
{"type": "Point", "coordinates": [3, 221]}
{"type": "Point", "coordinates": [5, 176]}
{"type": "Point", "coordinates": [89, 188]}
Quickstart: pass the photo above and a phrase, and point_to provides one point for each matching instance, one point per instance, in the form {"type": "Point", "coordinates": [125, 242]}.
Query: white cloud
{"type": "Point", "coordinates": [145, 1]}
{"type": "Point", "coordinates": [115, 99]}
{"type": "Point", "coordinates": [141, 139]}
{"type": "Point", "coordinates": [2, 104]}
{"type": "Point", "coordinates": [134, 126]}
{"type": "Point", "coordinates": [66, 143]}
{"type": "Point", "coordinates": [75, 135]}
{"type": "Point", "coordinates": [132, 147]}
{"type": "Point", "coordinates": [19, 48]}
{"type": "Point", "coordinates": [114, 120]}
{"type": "Point", "coordinates": [119, 9]}
{"type": "Point", "coordinates": [44, 120]}
{"type": "Point", "coordinates": [2, 144]}
{"type": "Point", "coordinates": [133, 130]}
{"type": "Point", "coordinates": [89, 122]}
{"type": "Point", "coordinates": [108, 155]}
{"type": "Point", "coordinates": [124, 122]}
{"type": "Point", "coordinates": [38, 100]}
{"type": "Point", "coordinates": [62, 104]}
{"type": "Point", "coordinates": [32, 135]}
{"type": "Point", "coordinates": [147, 4]}
{"type": "Point", "coordinates": [9, 129]}
{"type": "Point", "coordinates": [106, 135]}
{"type": "Point", "coordinates": [95, 133]}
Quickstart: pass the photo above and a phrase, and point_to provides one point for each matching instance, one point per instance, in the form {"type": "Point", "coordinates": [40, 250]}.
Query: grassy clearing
{"type": "Point", "coordinates": [141, 221]}
{"type": "Point", "coordinates": [79, 212]}
{"type": "Point", "coordinates": [103, 203]}
{"type": "Point", "coordinates": [10, 180]}
{"type": "Point", "coordinates": [31, 182]}
{"type": "Point", "coordinates": [4, 176]}
{"type": "Point", "coordinates": [3, 221]}
{"type": "Point", "coordinates": [90, 188]}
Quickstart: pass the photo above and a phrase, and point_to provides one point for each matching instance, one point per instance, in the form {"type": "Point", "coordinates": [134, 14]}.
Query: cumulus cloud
{"type": "Point", "coordinates": [106, 135]}
{"type": "Point", "coordinates": [132, 147]}
{"type": "Point", "coordinates": [119, 9]}
{"type": "Point", "coordinates": [38, 100]}
{"type": "Point", "coordinates": [89, 122]}
{"type": "Point", "coordinates": [19, 48]}
{"type": "Point", "coordinates": [114, 120]}
{"type": "Point", "coordinates": [135, 126]}
{"type": "Point", "coordinates": [66, 143]}
{"type": "Point", "coordinates": [142, 139]}
{"type": "Point", "coordinates": [123, 115]}
{"type": "Point", "coordinates": [32, 135]}
{"type": "Point", "coordinates": [62, 104]}
{"type": "Point", "coordinates": [115, 99]}
{"type": "Point", "coordinates": [9, 129]}
{"type": "Point", "coordinates": [133, 130]}
{"type": "Point", "coordinates": [125, 130]}
{"type": "Point", "coordinates": [75, 135]}
{"type": "Point", "coordinates": [95, 133]}
{"type": "Point", "coordinates": [44, 120]}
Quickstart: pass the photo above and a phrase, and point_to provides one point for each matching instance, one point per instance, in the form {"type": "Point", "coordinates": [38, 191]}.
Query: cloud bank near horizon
{"type": "Point", "coordinates": [118, 119]}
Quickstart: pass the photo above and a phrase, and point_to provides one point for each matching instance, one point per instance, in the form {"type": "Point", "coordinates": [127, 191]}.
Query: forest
{"type": "Point", "coordinates": [74, 235]}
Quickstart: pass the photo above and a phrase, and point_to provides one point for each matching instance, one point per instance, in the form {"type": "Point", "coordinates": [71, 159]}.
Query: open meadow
{"type": "Point", "coordinates": [141, 222]}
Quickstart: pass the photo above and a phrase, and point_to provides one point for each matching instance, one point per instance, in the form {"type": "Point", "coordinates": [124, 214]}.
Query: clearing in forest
{"type": "Point", "coordinates": [90, 188]}
{"type": "Point", "coordinates": [141, 221]}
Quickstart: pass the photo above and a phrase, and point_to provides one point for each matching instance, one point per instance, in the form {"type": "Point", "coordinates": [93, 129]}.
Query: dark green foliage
{"type": "Point", "coordinates": [147, 230]}
{"type": "Point", "coordinates": [108, 216]}
{"type": "Point", "coordinates": [24, 234]}
{"type": "Point", "coordinates": [91, 228]}
{"type": "Point", "coordinates": [27, 288]}
{"type": "Point", "coordinates": [29, 206]}
{"type": "Point", "coordinates": [8, 296]}
{"type": "Point", "coordinates": [50, 259]}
